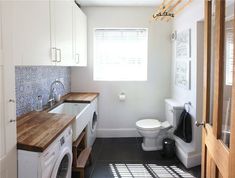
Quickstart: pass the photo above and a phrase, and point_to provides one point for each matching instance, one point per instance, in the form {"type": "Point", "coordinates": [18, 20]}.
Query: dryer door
{"type": "Point", "coordinates": [62, 168]}
{"type": "Point", "coordinates": [94, 122]}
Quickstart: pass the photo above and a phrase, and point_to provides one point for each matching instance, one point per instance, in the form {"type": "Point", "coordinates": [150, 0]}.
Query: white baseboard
{"type": "Point", "coordinates": [194, 160]}
{"type": "Point", "coordinates": [188, 159]}
{"type": "Point", "coordinates": [112, 133]}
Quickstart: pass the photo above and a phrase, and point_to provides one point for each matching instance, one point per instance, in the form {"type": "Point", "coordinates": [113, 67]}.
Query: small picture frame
{"type": "Point", "coordinates": [183, 74]}
{"type": "Point", "coordinates": [183, 44]}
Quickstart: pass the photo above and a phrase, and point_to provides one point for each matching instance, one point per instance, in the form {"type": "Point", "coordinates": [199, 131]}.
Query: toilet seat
{"type": "Point", "coordinates": [148, 124]}
{"type": "Point", "coordinates": [152, 124]}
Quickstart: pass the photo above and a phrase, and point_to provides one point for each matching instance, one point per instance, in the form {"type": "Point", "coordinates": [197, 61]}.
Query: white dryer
{"type": "Point", "coordinates": [54, 162]}
{"type": "Point", "coordinates": [92, 125]}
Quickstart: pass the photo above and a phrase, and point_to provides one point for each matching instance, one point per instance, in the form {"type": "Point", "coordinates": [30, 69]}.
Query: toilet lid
{"type": "Point", "coordinates": [148, 124]}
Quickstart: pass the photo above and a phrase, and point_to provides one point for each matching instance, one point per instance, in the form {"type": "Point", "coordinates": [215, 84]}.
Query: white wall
{"type": "Point", "coordinates": [190, 18]}
{"type": "Point", "coordinates": [143, 98]}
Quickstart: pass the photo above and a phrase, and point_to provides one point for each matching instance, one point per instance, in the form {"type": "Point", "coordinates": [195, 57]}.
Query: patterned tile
{"type": "Point", "coordinates": [34, 81]}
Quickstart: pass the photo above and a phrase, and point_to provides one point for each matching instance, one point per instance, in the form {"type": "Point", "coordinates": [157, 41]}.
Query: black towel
{"type": "Point", "coordinates": [184, 127]}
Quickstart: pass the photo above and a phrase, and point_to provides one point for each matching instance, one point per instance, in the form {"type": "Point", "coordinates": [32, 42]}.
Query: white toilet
{"type": "Point", "coordinates": [153, 131]}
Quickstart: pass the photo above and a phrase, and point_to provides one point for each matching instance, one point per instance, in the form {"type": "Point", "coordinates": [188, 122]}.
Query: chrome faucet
{"type": "Point", "coordinates": [51, 99]}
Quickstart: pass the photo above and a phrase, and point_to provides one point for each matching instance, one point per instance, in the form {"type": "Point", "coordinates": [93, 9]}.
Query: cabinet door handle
{"type": "Point", "coordinates": [11, 101]}
{"type": "Point", "coordinates": [77, 58]}
{"type": "Point", "coordinates": [12, 120]}
{"type": "Point", "coordinates": [59, 60]}
{"type": "Point", "coordinates": [53, 54]}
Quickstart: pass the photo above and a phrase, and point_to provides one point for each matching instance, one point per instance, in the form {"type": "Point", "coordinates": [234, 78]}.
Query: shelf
{"type": "Point", "coordinates": [81, 154]}
{"type": "Point", "coordinates": [83, 158]}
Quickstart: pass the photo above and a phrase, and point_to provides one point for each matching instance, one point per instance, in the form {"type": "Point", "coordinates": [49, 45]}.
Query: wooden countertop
{"type": "Point", "coordinates": [37, 130]}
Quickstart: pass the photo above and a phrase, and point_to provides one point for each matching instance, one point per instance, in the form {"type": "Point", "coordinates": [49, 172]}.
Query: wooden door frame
{"type": "Point", "coordinates": [206, 81]}
{"type": "Point", "coordinates": [211, 144]}
{"type": "Point", "coordinates": [232, 124]}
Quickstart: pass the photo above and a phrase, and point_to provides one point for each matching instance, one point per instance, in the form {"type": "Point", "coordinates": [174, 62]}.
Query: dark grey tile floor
{"type": "Point", "coordinates": [124, 158]}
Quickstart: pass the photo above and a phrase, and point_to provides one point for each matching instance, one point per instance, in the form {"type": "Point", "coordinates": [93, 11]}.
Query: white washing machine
{"type": "Point", "coordinates": [54, 162]}
{"type": "Point", "coordinates": [92, 124]}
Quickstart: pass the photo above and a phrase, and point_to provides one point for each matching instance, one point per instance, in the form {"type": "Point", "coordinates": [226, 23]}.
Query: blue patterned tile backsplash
{"type": "Point", "coordinates": [34, 81]}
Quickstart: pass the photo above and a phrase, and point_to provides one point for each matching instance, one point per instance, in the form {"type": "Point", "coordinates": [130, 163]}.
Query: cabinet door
{"type": "Point", "coordinates": [31, 32]}
{"type": "Point", "coordinates": [62, 26]}
{"type": "Point", "coordinates": [1, 61]}
{"type": "Point", "coordinates": [80, 37]}
{"type": "Point", "coordinates": [8, 157]}
{"type": "Point", "coordinates": [2, 133]}
{"type": "Point", "coordinates": [2, 129]}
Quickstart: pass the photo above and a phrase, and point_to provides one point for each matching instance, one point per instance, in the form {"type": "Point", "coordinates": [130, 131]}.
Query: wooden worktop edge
{"type": "Point", "coordinates": [33, 148]}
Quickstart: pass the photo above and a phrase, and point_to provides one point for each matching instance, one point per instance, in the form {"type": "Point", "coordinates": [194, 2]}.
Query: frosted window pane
{"type": "Point", "coordinates": [120, 55]}
{"type": "Point", "coordinates": [229, 56]}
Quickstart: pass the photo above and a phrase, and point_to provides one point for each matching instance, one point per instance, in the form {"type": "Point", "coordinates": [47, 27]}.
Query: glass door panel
{"type": "Point", "coordinates": [228, 70]}
{"type": "Point", "coordinates": [212, 58]}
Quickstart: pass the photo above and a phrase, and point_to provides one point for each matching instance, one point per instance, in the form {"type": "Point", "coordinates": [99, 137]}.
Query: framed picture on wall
{"type": "Point", "coordinates": [183, 74]}
{"type": "Point", "coordinates": [183, 44]}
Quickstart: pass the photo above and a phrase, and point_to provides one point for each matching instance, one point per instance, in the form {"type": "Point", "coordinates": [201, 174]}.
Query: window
{"type": "Point", "coordinates": [229, 56]}
{"type": "Point", "coordinates": [120, 55]}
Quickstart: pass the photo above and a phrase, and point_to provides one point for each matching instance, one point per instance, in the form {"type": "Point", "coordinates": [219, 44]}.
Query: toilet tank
{"type": "Point", "coordinates": [173, 110]}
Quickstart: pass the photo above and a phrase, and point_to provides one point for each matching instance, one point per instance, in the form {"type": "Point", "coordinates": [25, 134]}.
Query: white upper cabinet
{"type": "Point", "coordinates": [62, 31]}
{"type": "Point", "coordinates": [47, 32]}
{"type": "Point", "coordinates": [31, 32]}
{"type": "Point", "coordinates": [79, 37]}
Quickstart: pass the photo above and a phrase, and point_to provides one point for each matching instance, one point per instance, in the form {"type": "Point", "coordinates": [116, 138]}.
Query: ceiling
{"type": "Point", "coordinates": [119, 2]}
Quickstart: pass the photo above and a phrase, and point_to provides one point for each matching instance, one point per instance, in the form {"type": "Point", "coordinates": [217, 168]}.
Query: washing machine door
{"type": "Point", "coordinates": [63, 165]}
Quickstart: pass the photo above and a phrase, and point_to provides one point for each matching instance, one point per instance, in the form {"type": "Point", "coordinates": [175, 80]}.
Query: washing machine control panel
{"type": "Point", "coordinates": [62, 141]}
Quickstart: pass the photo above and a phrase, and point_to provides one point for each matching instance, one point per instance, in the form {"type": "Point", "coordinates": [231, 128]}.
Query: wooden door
{"type": "Point", "coordinates": [218, 133]}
